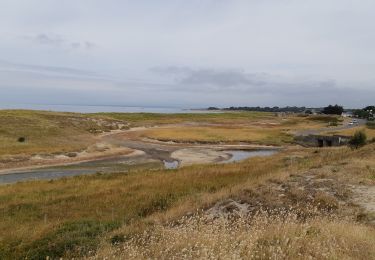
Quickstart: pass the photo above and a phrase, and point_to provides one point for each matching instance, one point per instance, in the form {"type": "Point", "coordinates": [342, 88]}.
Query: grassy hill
{"type": "Point", "coordinates": [76, 216]}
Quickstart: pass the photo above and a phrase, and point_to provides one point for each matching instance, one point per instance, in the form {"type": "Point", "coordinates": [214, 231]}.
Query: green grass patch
{"type": "Point", "coordinates": [72, 238]}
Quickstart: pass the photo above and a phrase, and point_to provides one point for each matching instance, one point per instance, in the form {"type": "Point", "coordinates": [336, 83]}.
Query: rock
{"type": "Point", "coordinates": [71, 154]}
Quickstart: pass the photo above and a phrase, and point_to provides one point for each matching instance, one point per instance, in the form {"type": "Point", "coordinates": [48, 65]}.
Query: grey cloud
{"type": "Point", "coordinates": [207, 80]}
{"type": "Point", "coordinates": [56, 40]}
{"type": "Point", "coordinates": [75, 45]}
{"type": "Point", "coordinates": [89, 45]}
{"type": "Point", "coordinates": [11, 66]}
{"type": "Point", "coordinates": [219, 78]}
{"type": "Point", "coordinates": [309, 51]}
{"type": "Point", "coordinates": [51, 39]}
{"type": "Point", "coordinates": [263, 86]}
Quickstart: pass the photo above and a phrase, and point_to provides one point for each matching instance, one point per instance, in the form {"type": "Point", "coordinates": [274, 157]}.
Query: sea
{"type": "Point", "coordinates": [102, 108]}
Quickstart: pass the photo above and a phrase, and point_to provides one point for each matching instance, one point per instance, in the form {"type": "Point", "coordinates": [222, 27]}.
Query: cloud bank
{"type": "Point", "coordinates": [188, 53]}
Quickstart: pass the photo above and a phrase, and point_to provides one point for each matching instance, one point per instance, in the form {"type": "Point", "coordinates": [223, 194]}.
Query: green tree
{"type": "Point", "coordinates": [358, 139]}
{"type": "Point", "coordinates": [333, 110]}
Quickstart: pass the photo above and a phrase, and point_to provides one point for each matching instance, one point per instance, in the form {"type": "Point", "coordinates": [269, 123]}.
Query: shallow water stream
{"type": "Point", "coordinates": [239, 155]}
{"type": "Point", "coordinates": [121, 164]}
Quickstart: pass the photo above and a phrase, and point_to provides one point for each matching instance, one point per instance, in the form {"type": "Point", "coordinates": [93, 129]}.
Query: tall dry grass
{"type": "Point", "coordinates": [38, 211]}
{"type": "Point", "coordinates": [280, 235]}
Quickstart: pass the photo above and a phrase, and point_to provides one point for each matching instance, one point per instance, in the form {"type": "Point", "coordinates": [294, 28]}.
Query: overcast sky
{"type": "Point", "coordinates": [194, 53]}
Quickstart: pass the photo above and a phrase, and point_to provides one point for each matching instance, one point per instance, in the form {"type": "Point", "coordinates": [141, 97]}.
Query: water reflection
{"type": "Point", "coordinates": [239, 155]}
{"type": "Point", "coordinates": [171, 165]}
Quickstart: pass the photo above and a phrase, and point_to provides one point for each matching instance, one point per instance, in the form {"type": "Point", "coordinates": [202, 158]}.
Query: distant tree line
{"type": "Point", "coordinates": [365, 113]}
{"type": "Point", "coordinates": [269, 109]}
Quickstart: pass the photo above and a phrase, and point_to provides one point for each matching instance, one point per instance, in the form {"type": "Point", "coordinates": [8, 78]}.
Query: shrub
{"type": "Point", "coordinates": [358, 139]}
{"type": "Point", "coordinates": [21, 139]}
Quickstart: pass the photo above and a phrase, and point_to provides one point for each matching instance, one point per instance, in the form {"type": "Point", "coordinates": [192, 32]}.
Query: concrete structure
{"type": "Point", "coordinates": [322, 140]}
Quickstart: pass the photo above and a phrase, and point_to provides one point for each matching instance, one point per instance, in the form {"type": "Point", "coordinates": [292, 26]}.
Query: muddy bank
{"type": "Point", "coordinates": [118, 152]}
{"type": "Point", "coordinates": [142, 160]}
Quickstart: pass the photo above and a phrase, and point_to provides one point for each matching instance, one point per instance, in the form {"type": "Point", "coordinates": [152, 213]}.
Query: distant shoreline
{"type": "Point", "coordinates": [98, 108]}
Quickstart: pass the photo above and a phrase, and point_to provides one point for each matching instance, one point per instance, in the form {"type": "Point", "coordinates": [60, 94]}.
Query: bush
{"type": "Point", "coordinates": [21, 139]}
{"type": "Point", "coordinates": [358, 139]}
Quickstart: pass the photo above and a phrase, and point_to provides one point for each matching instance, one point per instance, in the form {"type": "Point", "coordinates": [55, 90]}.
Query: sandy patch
{"type": "Point", "coordinates": [190, 156]}
{"type": "Point", "coordinates": [365, 197]}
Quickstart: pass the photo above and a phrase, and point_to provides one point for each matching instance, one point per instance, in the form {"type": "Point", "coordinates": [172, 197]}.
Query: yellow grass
{"type": "Point", "coordinates": [73, 216]}
{"type": "Point", "coordinates": [267, 130]}
{"type": "Point", "coordinates": [141, 119]}
{"type": "Point", "coordinates": [41, 217]}
{"type": "Point", "coordinates": [45, 132]}
{"type": "Point", "coordinates": [265, 236]}
{"type": "Point", "coordinates": [35, 211]}
{"type": "Point", "coordinates": [218, 134]}
{"type": "Point", "coordinates": [370, 133]}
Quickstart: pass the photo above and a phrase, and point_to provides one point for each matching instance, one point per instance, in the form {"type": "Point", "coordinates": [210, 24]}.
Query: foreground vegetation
{"type": "Point", "coordinates": [45, 218]}
{"type": "Point", "coordinates": [76, 216]}
{"type": "Point", "coordinates": [265, 236]}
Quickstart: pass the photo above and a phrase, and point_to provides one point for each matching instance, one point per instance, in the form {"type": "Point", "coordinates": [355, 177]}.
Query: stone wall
{"type": "Point", "coordinates": [322, 140]}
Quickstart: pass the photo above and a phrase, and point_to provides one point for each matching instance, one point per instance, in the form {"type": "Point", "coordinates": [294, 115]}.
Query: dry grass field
{"type": "Point", "coordinates": [56, 132]}
{"type": "Point", "coordinates": [370, 133]}
{"type": "Point", "coordinates": [264, 236]}
{"type": "Point", "coordinates": [257, 130]}
{"type": "Point", "coordinates": [310, 224]}
{"type": "Point", "coordinates": [47, 132]}
{"type": "Point", "coordinates": [137, 214]}
{"type": "Point", "coordinates": [76, 216]}
{"type": "Point", "coordinates": [268, 136]}
{"type": "Point", "coordinates": [151, 119]}
{"type": "Point", "coordinates": [35, 215]}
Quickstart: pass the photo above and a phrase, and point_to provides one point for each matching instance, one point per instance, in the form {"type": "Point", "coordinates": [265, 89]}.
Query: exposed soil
{"type": "Point", "coordinates": [315, 192]}
{"type": "Point", "coordinates": [190, 156]}
{"type": "Point", "coordinates": [364, 196]}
